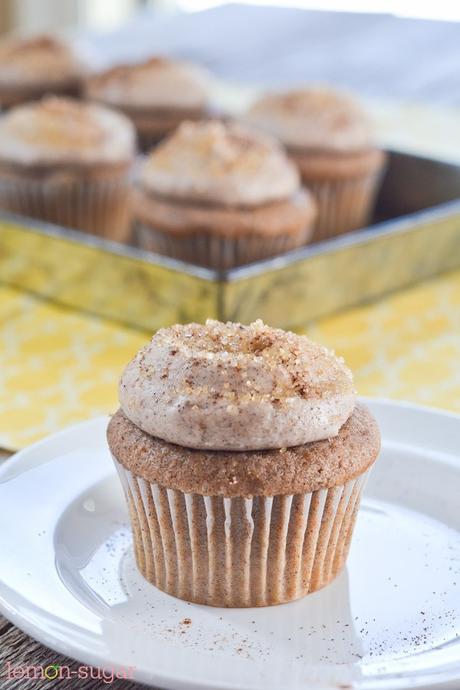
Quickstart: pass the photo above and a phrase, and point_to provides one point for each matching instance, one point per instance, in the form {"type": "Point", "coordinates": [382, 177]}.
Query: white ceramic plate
{"type": "Point", "coordinates": [391, 620]}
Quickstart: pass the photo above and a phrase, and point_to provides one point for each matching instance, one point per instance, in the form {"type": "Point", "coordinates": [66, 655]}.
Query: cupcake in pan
{"type": "Point", "coordinates": [34, 67]}
{"type": "Point", "coordinates": [330, 138]}
{"type": "Point", "coordinates": [68, 163]}
{"type": "Point", "coordinates": [243, 454]}
{"type": "Point", "coordinates": [220, 195]}
{"type": "Point", "coordinates": [157, 95]}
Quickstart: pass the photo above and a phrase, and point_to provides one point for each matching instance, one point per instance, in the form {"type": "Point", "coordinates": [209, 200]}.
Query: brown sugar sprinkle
{"type": "Point", "coordinates": [125, 73]}
{"type": "Point", "coordinates": [226, 148]}
{"type": "Point", "coordinates": [186, 621]}
{"type": "Point", "coordinates": [309, 369]}
{"type": "Point", "coordinates": [340, 109]}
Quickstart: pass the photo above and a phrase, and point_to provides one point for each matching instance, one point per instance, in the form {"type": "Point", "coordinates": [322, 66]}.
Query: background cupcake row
{"type": "Point", "coordinates": [56, 174]}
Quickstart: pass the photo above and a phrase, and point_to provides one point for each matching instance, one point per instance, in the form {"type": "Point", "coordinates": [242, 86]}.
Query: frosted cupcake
{"type": "Point", "coordinates": [68, 163]}
{"type": "Point", "coordinates": [330, 138]}
{"type": "Point", "coordinates": [220, 195]}
{"type": "Point", "coordinates": [34, 67]}
{"type": "Point", "coordinates": [243, 455]}
{"type": "Point", "coordinates": [157, 95]}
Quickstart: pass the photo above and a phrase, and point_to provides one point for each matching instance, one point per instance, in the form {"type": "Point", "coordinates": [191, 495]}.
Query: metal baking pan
{"type": "Point", "coordinates": [415, 235]}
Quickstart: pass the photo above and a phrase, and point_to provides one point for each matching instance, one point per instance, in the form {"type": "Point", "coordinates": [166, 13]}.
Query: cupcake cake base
{"type": "Point", "coordinates": [153, 125]}
{"type": "Point", "coordinates": [222, 237]}
{"type": "Point", "coordinates": [95, 201]}
{"type": "Point", "coordinates": [261, 547]}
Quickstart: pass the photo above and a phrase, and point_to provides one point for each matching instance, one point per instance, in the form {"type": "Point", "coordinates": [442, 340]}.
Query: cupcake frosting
{"type": "Point", "coordinates": [234, 387]}
{"type": "Point", "coordinates": [220, 163]}
{"type": "Point", "coordinates": [64, 130]}
{"type": "Point", "coordinates": [314, 118]}
{"type": "Point", "coordinates": [40, 59]}
{"type": "Point", "coordinates": [156, 83]}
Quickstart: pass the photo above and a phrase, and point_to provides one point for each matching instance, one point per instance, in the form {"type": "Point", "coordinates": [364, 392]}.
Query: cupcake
{"type": "Point", "coordinates": [220, 195]}
{"type": "Point", "coordinates": [67, 162]}
{"type": "Point", "coordinates": [157, 95]}
{"type": "Point", "coordinates": [34, 67]}
{"type": "Point", "coordinates": [243, 454]}
{"type": "Point", "coordinates": [330, 138]}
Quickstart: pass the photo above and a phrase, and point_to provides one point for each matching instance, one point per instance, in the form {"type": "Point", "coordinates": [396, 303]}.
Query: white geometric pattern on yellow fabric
{"type": "Point", "coordinates": [406, 346]}
{"type": "Point", "coordinates": [58, 367]}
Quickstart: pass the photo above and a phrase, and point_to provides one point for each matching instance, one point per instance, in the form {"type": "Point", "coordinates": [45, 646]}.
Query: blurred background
{"type": "Point", "coordinates": [105, 14]}
{"type": "Point", "coordinates": [395, 54]}
{"type": "Point", "coordinates": [387, 41]}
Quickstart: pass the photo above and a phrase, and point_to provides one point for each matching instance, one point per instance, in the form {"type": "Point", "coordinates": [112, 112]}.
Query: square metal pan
{"type": "Point", "coordinates": [416, 235]}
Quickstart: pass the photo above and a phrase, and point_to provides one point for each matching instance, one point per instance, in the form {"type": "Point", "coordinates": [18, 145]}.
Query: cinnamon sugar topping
{"type": "Point", "coordinates": [62, 128]}
{"type": "Point", "coordinates": [223, 163]}
{"type": "Point", "coordinates": [156, 83]}
{"type": "Point", "coordinates": [43, 58]}
{"type": "Point", "coordinates": [230, 386]}
{"type": "Point", "coordinates": [315, 118]}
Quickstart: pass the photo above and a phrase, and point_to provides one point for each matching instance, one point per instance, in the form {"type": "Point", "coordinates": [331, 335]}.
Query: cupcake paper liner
{"type": "Point", "coordinates": [240, 552]}
{"type": "Point", "coordinates": [343, 205]}
{"type": "Point", "coordinates": [214, 251]}
{"type": "Point", "coordinates": [99, 206]}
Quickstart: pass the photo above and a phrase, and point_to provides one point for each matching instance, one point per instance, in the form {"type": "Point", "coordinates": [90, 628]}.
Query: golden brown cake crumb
{"type": "Point", "coordinates": [248, 473]}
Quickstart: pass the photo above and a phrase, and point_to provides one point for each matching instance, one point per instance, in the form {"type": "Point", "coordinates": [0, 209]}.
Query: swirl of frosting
{"type": "Point", "coordinates": [156, 83]}
{"type": "Point", "coordinates": [220, 163]}
{"type": "Point", "coordinates": [64, 130]}
{"type": "Point", "coordinates": [39, 59]}
{"type": "Point", "coordinates": [313, 118]}
{"type": "Point", "coordinates": [225, 386]}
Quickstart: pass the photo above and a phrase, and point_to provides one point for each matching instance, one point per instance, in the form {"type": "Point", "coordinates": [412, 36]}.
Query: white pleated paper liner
{"type": "Point", "coordinates": [240, 552]}
{"type": "Point", "coordinates": [99, 205]}
{"type": "Point", "coordinates": [343, 204]}
{"type": "Point", "coordinates": [214, 251]}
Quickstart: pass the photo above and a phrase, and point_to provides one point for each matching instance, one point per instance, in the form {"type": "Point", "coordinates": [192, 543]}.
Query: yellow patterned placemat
{"type": "Point", "coordinates": [59, 367]}
{"type": "Point", "coordinates": [406, 346]}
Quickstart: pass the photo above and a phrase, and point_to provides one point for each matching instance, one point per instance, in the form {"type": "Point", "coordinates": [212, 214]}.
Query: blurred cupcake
{"type": "Point", "coordinates": [330, 138]}
{"type": "Point", "coordinates": [34, 67]}
{"type": "Point", "coordinates": [220, 195]}
{"type": "Point", "coordinates": [67, 162]}
{"type": "Point", "coordinates": [157, 95]}
{"type": "Point", "coordinates": [243, 455]}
